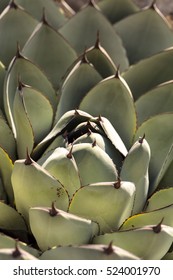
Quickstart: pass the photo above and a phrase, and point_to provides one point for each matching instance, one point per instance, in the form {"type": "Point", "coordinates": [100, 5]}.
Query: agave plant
{"type": "Point", "coordinates": [86, 135]}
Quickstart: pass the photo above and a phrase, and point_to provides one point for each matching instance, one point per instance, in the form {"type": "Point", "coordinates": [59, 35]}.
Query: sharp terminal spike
{"type": "Point", "coordinates": [100, 118]}
{"type": "Point", "coordinates": [97, 43]}
{"type": "Point", "coordinates": [89, 132]}
{"type": "Point", "coordinates": [157, 228]}
{"type": "Point", "coordinates": [94, 143]}
{"type": "Point", "coordinates": [13, 5]}
{"type": "Point", "coordinates": [70, 154]}
{"type": "Point", "coordinates": [92, 3]}
{"type": "Point", "coordinates": [53, 211]}
{"type": "Point", "coordinates": [28, 160]}
{"type": "Point", "coordinates": [16, 253]}
{"type": "Point", "coordinates": [18, 52]}
{"type": "Point", "coordinates": [84, 58]}
{"type": "Point", "coordinates": [117, 74]}
{"type": "Point", "coordinates": [153, 5]}
{"type": "Point", "coordinates": [141, 139]}
{"type": "Point", "coordinates": [44, 18]}
{"type": "Point", "coordinates": [76, 113]}
{"type": "Point", "coordinates": [117, 184]}
{"type": "Point", "coordinates": [108, 250]}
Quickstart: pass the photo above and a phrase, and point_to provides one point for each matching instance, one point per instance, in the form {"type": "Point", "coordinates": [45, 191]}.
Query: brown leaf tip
{"type": "Point", "coordinates": [53, 211]}
{"type": "Point", "coordinates": [28, 160]}
{"type": "Point", "coordinates": [109, 249]}
{"type": "Point", "coordinates": [158, 228]}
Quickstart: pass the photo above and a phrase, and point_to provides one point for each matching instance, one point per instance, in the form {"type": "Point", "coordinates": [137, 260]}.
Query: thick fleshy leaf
{"type": "Point", "coordinates": [6, 167]}
{"type": "Point", "coordinates": [156, 101]}
{"type": "Point", "coordinates": [102, 62]}
{"type": "Point", "coordinates": [60, 228]}
{"type": "Point", "coordinates": [112, 99]}
{"type": "Point", "coordinates": [150, 72]}
{"type": "Point", "coordinates": [65, 124]}
{"type": "Point", "coordinates": [104, 143]}
{"type": "Point", "coordinates": [81, 32]}
{"type": "Point", "coordinates": [150, 218]}
{"type": "Point", "coordinates": [87, 252]}
{"type": "Point", "coordinates": [11, 32]}
{"type": "Point", "coordinates": [10, 219]}
{"type": "Point", "coordinates": [53, 14]}
{"type": "Point", "coordinates": [94, 164]}
{"type": "Point", "coordinates": [39, 112]}
{"type": "Point", "coordinates": [50, 51]}
{"type": "Point", "coordinates": [116, 10]}
{"type": "Point", "coordinates": [109, 204]}
{"type": "Point", "coordinates": [62, 166]}
{"type": "Point", "coordinates": [29, 74]}
{"type": "Point", "coordinates": [148, 243]}
{"type": "Point", "coordinates": [144, 33]}
{"type": "Point", "coordinates": [112, 135]}
{"type": "Point", "coordinates": [160, 199]}
{"type": "Point", "coordinates": [167, 181]}
{"type": "Point", "coordinates": [7, 140]}
{"type": "Point", "coordinates": [33, 186]}
{"type": "Point", "coordinates": [9, 242]}
{"type": "Point", "coordinates": [81, 79]}
{"type": "Point", "coordinates": [24, 130]}
{"type": "Point", "coordinates": [161, 144]}
{"type": "Point", "coordinates": [135, 169]}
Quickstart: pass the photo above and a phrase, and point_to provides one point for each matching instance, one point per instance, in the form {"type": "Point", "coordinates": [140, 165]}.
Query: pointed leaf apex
{"type": "Point", "coordinates": [76, 113]}
{"type": "Point", "coordinates": [100, 118]}
{"type": "Point", "coordinates": [158, 228]}
{"type": "Point", "coordinates": [117, 184]}
{"type": "Point", "coordinates": [28, 160]}
{"type": "Point", "coordinates": [21, 85]}
{"type": "Point", "coordinates": [97, 43]}
{"type": "Point", "coordinates": [117, 74]}
{"type": "Point", "coordinates": [108, 250]}
{"type": "Point", "coordinates": [16, 253]}
{"type": "Point", "coordinates": [13, 5]}
{"type": "Point", "coordinates": [53, 211]}
{"type": "Point", "coordinates": [18, 52]}
{"type": "Point", "coordinates": [94, 143]}
{"type": "Point", "coordinates": [84, 58]}
{"type": "Point", "coordinates": [44, 19]}
{"type": "Point", "coordinates": [153, 5]}
{"type": "Point", "coordinates": [92, 3]}
{"type": "Point", "coordinates": [141, 139]}
{"type": "Point", "coordinates": [70, 154]}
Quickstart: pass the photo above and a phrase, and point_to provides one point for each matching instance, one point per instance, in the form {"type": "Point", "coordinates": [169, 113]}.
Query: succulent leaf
{"type": "Point", "coordinates": [35, 8]}
{"type": "Point", "coordinates": [149, 72]}
{"type": "Point", "coordinates": [64, 228]}
{"type": "Point", "coordinates": [156, 101]}
{"type": "Point", "coordinates": [92, 21]}
{"type": "Point", "coordinates": [115, 10]}
{"type": "Point", "coordinates": [155, 33]}
{"type": "Point", "coordinates": [153, 246]}
{"type": "Point", "coordinates": [50, 51]}
{"type": "Point", "coordinates": [11, 20]}
{"type": "Point", "coordinates": [161, 144]}
{"type": "Point", "coordinates": [104, 203]}
{"type": "Point", "coordinates": [33, 186]}
{"type": "Point", "coordinates": [86, 252]}
{"type": "Point", "coordinates": [118, 99]}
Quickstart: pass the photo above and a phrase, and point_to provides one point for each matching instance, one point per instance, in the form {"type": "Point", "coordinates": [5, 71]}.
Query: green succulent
{"type": "Point", "coordinates": [86, 135]}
